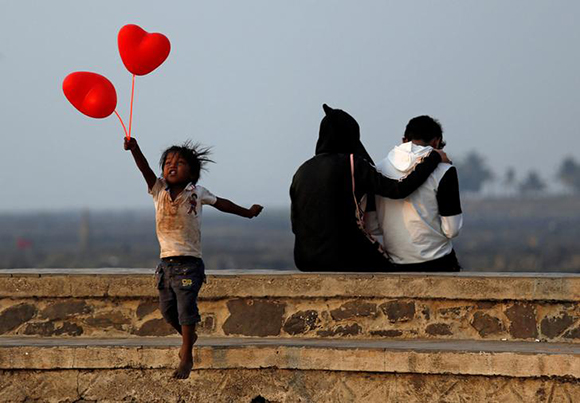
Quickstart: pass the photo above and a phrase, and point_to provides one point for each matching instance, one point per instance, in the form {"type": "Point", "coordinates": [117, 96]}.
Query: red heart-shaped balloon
{"type": "Point", "coordinates": [141, 51]}
{"type": "Point", "coordinates": [91, 93]}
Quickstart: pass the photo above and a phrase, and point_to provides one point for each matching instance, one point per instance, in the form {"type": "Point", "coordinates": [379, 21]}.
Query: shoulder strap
{"type": "Point", "coordinates": [360, 216]}
{"type": "Point", "coordinates": [357, 207]}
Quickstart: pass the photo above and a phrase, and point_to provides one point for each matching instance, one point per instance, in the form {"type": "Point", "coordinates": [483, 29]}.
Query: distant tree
{"type": "Point", "coordinates": [509, 181]}
{"type": "Point", "coordinates": [473, 172]}
{"type": "Point", "coordinates": [569, 174]}
{"type": "Point", "coordinates": [532, 185]}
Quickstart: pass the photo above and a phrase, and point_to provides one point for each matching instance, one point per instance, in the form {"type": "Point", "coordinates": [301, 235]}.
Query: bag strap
{"type": "Point", "coordinates": [360, 216]}
{"type": "Point", "coordinates": [352, 178]}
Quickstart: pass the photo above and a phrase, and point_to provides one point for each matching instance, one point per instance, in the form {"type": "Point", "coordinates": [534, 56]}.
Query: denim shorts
{"type": "Point", "coordinates": [179, 280]}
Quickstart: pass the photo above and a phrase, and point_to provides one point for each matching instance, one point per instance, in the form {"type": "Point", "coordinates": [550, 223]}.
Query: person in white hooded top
{"type": "Point", "coordinates": [417, 231]}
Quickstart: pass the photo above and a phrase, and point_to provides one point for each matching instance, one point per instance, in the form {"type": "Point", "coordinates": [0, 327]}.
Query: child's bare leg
{"type": "Point", "coordinates": [188, 338]}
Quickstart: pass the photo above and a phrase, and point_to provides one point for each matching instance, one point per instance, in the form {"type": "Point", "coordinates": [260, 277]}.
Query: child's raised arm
{"type": "Point", "coordinates": [230, 207]}
{"type": "Point", "coordinates": [141, 161]}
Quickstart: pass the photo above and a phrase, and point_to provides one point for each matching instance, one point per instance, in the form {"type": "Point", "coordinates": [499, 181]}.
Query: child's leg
{"type": "Point", "coordinates": [186, 282]}
{"type": "Point", "coordinates": [188, 337]}
{"type": "Point", "coordinates": [167, 297]}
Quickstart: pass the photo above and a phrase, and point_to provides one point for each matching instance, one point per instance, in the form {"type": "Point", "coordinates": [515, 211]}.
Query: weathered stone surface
{"type": "Point", "coordinates": [526, 359]}
{"type": "Point", "coordinates": [573, 334]}
{"type": "Point", "coordinates": [353, 309]}
{"type": "Point", "coordinates": [301, 322]}
{"type": "Point", "coordinates": [109, 319]}
{"type": "Point", "coordinates": [398, 311]}
{"type": "Point", "coordinates": [349, 330]}
{"type": "Point", "coordinates": [254, 317]}
{"type": "Point", "coordinates": [207, 324]}
{"type": "Point", "coordinates": [302, 292]}
{"type": "Point", "coordinates": [486, 325]}
{"type": "Point", "coordinates": [454, 312]}
{"type": "Point", "coordinates": [46, 329]}
{"type": "Point", "coordinates": [438, 329]}
{"type": "Point", "coordinates": [15, 316]}
{"type": "Point", "coordinates": [39, 329]}
{"type": "Point", "coordinates": [65, 309]}
{"type": "Point", "coordinates": [69, 329]}
{"type": "Point", "coordinates": [157, 386]}
{"type": "Point", "coordinates": [484, 305]}
{"type": "Point", "coordinates": [555, 326]}
{"type": "Point", "coordinates": [386, 333]}
{"type": "Point", "coordinates": [466, 286]}
{"type": "Point", "coordinates": [523, 321]}
{"type": "Point", "coordinates": [147, 307]}
{"type": "Point", "coordinates": [155, 327]}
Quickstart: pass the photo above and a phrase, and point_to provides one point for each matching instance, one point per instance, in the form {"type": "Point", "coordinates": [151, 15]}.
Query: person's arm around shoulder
{"type": "Point", "coordinates": [449, 204]}
{"type": "Point", "coordinates": [398, 189]}
{"type": "Point", "coordinates": [228, 206]}
{"type": "Point", "coordinates": [141, 161]}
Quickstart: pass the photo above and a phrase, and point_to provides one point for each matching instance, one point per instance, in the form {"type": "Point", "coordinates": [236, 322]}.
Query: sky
{"type": "Point", "coordinates": [249, 79]}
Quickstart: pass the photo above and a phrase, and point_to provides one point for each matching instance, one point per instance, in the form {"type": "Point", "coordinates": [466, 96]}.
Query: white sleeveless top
{"type": "Point", "coordinates": [412, 229]}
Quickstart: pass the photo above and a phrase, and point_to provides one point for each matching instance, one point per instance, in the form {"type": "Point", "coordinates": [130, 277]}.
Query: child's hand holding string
{"type": "Point", "coordinates": [130, 144]}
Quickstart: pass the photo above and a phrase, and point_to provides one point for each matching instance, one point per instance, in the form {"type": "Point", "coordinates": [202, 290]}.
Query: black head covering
{"type": "Point", "coordinates": [340, 134]}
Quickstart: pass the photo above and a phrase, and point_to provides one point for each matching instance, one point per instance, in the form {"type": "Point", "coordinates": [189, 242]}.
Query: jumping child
{"type": "Point", "coordinates": [178, 206]}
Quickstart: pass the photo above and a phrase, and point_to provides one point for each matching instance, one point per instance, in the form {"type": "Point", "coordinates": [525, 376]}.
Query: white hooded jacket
{"type": "Point", "coordinates": [413, 229]}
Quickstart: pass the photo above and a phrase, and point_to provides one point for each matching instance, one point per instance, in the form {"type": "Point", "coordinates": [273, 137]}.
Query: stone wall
{"type": "Point", "coordinates": [276, 386]}
{"type": "Point", "coordinates": [282, 304]}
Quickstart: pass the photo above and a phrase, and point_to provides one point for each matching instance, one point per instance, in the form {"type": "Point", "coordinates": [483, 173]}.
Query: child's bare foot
{"type": "Point", "coordinates": [185, 365]}
{"type": "Point", "coordinates": [186, 352]}
{"type": "Point", "coordinates": [184, 369]}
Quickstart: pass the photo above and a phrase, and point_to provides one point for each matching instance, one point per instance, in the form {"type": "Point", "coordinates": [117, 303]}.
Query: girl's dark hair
{"type": "Point", "coordinates": [195, 154]}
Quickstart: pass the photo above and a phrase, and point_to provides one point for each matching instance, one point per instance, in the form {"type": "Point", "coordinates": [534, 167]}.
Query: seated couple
{"type": "Point", "coordinates": [414, 189]}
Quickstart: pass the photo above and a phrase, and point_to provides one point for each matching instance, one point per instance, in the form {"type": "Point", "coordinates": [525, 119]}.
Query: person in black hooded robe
{"type": "Point", "coordinates": [327, 237]}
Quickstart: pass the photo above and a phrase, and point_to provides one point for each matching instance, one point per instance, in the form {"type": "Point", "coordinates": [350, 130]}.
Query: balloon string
{"type": "Point", "coordinates": [124, 128]}
{"type": "Point", "coordinates": [131, 113]}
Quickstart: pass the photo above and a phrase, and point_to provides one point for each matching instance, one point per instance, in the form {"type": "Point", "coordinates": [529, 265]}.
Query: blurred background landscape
{"type": "Point", "coordinates": [512, 222]}
{"type": "Point", "coordinates": [249, 79]}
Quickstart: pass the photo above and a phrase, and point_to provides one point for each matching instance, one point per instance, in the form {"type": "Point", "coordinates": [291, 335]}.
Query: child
{"type": "Point", "coordinates": [178, 206]}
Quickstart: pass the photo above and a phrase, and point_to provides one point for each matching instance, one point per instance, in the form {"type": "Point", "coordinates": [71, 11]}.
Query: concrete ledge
{"type": "Point", "coordinates": [509, 359]}
{"type": "Point", "coordinates": [94, 303]}
{"type": "Point", "coordinates": [127, 283]}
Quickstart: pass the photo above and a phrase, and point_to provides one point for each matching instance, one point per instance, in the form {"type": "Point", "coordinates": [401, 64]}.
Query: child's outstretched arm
{"type": "Point", "coordinates": [230, 207]}
{"type": "Point", "coordinates": [141, 161]}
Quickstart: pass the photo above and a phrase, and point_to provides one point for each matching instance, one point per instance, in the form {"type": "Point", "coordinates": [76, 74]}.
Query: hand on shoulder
{"type": "Point", "coordinates": [444, 157]}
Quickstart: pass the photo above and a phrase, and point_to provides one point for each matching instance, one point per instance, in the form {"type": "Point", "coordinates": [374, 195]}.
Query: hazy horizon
{"type": "Point", "coordinates": [249, 80]}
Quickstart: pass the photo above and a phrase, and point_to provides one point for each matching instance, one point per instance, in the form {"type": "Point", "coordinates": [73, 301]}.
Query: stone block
{"type": "Point", "coordinates": [301, 322]}
{"type": "Point", "coordinates": [523, 321]}
{"type": "Point", "coordinates": [14, 316]}
{"type": "Point", "coordinates": [44, 329]}
{"type": "Point", "coordinates": [552, 327]}
{"type": "Point", "coordinates": [438, 329]}
{"type": "Point", "coordinates": [398, 311]}
{"type": "Point", "coordinates": [65, 309]}
{"type": "Point", "coordinates": [391, 333]}
{"type": "Point", "coordinates": [114, 319]}
{"type": "Point", "coordinates": [486, 325]}
{"type": "Point", "coordinates": [146, 308]}
{"type": "Point", "coordinates": [354, 309]}
{"type": "Point", "coordinates": [347, 330]}
{"type": "Point", "coordinates": [155, 327]}
{"type": "Point", "coordinates": [254, 317]}
{"type": "Point", "coordinates": [573, 334]}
